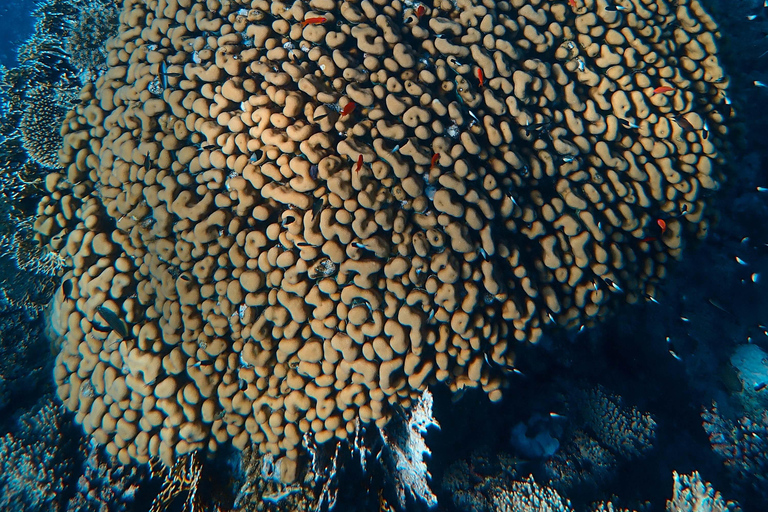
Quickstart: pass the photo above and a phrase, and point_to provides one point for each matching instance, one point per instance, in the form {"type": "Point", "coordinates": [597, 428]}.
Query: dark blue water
{"type": "Point", "coordinates": [16, 24]}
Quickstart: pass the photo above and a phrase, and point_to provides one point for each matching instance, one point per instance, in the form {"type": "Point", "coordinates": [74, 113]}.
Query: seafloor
{"type": "Point", "coordinates": [623, 411]}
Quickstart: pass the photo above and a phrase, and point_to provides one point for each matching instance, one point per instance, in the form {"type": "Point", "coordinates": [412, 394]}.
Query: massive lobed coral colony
{"type": "Point", "coordinates": [304, 213]}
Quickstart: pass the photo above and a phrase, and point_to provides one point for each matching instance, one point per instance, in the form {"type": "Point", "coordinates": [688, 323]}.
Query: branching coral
{"type": "Point", "coordinates": [472, 483]}
{"type": "Point", "coordinates": [580, 462]}
{"type": "Point", "coordinates": [96, 22]}
{"type": "Point", "coordinates": [105, 486]}
{"type": "Point", "coordinates": [495, 490]}
{"type": "Point", "coordinates": [262, 484]}
{"type": "Point", "coordinates": [743, 446]}
{"type": "Point", "coordinates": [40, 125]}
{"type": "Point", "coordinates": [626, 431]}
{"type": "Point", "coordinates": [528, 496]}
{"type": "Point", "coordinates": [406, 449]}
{"type": "Point", "coordinates": [26, 266]}
{"type": "Point", "coordinates": [34, 464]}
{"type": "Point", "coordinates": [609, 507]}
{"type": "Point", "coordinates": [692, 494]}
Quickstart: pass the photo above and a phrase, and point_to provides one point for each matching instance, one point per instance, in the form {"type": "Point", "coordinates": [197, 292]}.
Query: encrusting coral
{"type": "Point", "coordinates": [301, 214]}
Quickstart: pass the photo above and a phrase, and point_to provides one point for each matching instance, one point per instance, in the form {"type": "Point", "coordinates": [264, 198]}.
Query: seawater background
{"type": "Point", "coordinates": [15, 26]}
{"type": "Point", "coordinates": [628, 355]}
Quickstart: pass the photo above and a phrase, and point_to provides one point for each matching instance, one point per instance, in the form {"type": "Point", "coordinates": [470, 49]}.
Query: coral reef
{"type": "Point", "coordinates": [528, 496]}
{"type": "Point", "coordinates": [182, 478]}
{"type": "Point", "coordinates": [582, 461]}
{"type": "Point", "coordinates": [742, 445]}
{"type": "Point", "coordinates": [68, 41]}
{"type": "Point", "coordinates": [38, 92]}
{"type": "Point", "coordinates": [692, 494]}
{"type": "Point", "coordinates": [406, 450]}
{"type": "Point", "coordinates": [36, 95]}
{"type": "Point", "coordinates": [46, 466]}
{"type": "Point", "coordinates": [301, 218]}
{"type": "Point", "coordinates": [96, 21]}
{"type": "Point", "coordinates": [609, 507]}
{"type": "Point", "coordinates": [597, 436]}
{"type": "Point", "coordinates": [25, 265]}
{"type": "Point", "coordinates": [489, 484]}
{"type": "Point", "coordinates": [41, 124]}
{"type": "Point", "coordinates": [471, 483]}
{"type": "Point", "coordinates": [34, 461]}
{"type": "Point", "coordinates": [262, 485]}
{"type": "Point", "coordinates": [626, 431]}
{"type": "Point", "coordinates": [105, 486]}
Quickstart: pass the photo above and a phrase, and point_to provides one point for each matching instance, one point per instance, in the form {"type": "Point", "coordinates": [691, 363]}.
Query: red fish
{"type": "Point", "coordinates": [480, 76]}
{"type": "Point", "coordinates": [663, 89]}
{"type": "Point", "coordinates": [317, 20]}
{"type": "Point", "coordinates": [435, 158]}
{"type": "Point", "coordinates": [662, 224]}
{"type": "Point", "coordinates": [420, 10]}
{"type": "Point", "coordinates": [649, 239]}
{"type": "Point", "coordinates": [572, 3]}
{"type": "Point", "coordinates": [348, 108]}
{"type": "Point", "coordinates": [359, 163]}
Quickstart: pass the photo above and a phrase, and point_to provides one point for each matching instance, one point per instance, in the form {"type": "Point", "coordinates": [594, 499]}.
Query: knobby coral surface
{"type": "Point", "coordinates": [281, 217]}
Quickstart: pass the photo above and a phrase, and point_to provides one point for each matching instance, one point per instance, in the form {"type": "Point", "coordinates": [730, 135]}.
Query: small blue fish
{"type": "Point", "coordinates": [114, 322]}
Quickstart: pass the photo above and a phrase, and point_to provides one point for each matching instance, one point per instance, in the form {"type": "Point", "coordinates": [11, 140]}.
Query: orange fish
{"type": "Point", "coordinates": [435, 158]}
{"type": "Point", "coordinates": [420, 10]}
{"type": "Point", "coordinates": [662, 224]}
{"type": "Point", "coordinates": [348, 108]}
{"type": "Point", "coordinates": [359, 163]}
{"type": "Point", "coordinates": [314, 21]}
{"type": "Point", "coordinates": [480, 76]}
{"type": "Point", "coordinates": [572, 3]}
{"type": "Point", "coordinates": [663, 89]}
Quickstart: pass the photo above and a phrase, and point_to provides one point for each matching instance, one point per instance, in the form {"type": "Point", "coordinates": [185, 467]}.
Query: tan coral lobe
{"type": "Point", "coordinates": [272, 287]}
